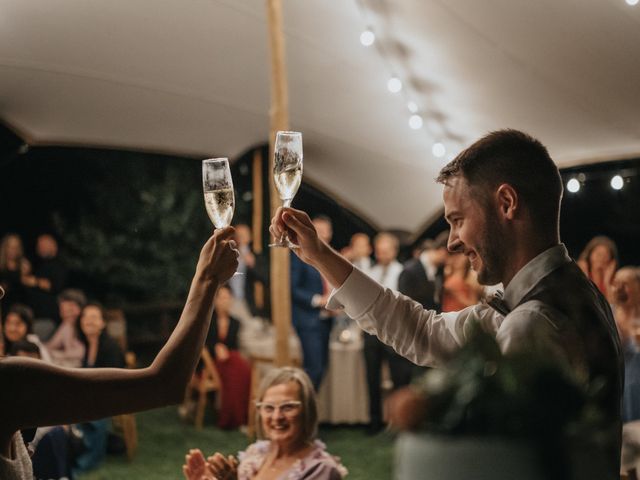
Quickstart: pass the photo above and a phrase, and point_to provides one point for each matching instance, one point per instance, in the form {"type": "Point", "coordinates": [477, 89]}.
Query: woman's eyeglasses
{"type": "Point", "coordinates": [286, 408]}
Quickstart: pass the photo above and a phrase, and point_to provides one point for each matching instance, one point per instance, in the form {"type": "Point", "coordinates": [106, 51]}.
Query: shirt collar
{"type": "Point", "coordinates": [534, 271]}
{"type": "Point", "coordinates": [429, 267]}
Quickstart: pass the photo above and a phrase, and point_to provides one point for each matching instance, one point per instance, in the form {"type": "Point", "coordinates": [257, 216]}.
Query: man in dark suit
{"type": "Point", "coordinates": [309, 293]}
{"type": "Point", "coordinates": [423, 277]}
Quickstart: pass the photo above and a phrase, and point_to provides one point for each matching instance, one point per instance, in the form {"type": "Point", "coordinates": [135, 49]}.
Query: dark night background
{"type": "Point", "coordinates": [131, 224]}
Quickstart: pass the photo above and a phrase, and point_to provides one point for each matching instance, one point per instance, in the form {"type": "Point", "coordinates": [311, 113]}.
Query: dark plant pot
{"type": "Point", "coordinates": [437, 457]}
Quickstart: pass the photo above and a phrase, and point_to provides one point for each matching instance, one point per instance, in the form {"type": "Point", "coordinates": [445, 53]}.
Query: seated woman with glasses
{"type": "Point", "coordinates": [287, 424]}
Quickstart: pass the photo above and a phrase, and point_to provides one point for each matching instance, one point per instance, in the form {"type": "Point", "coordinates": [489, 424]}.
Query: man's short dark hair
{"type": "Point", "coordinates": [513, 157]}
{"type": "Point", "coordinates": [73, 295]}
{"type": "Point", "coordinates": [437, 243]}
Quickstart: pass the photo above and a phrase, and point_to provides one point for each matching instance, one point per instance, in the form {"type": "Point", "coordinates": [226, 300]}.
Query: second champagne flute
{"type": "Point", "coordinates": [287, 172]}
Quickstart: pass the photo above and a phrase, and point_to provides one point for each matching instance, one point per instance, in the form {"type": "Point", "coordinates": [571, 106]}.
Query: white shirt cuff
{"type": "Point", "coordinates": [316, 300]}
{"type": "Point", "coordinates": [356, 295]}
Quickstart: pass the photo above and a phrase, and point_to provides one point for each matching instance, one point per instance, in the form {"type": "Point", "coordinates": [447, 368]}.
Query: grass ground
{"type": "Point", "coordinates": [164, 440]}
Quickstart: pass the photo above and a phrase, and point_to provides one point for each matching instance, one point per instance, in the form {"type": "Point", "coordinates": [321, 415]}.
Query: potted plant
{"type": "Point", "coordinates": [485, 415]}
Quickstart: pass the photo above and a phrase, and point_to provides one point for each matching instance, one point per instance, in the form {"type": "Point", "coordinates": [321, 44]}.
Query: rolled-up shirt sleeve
{"type": "Point", "coordinates": [425, 337]}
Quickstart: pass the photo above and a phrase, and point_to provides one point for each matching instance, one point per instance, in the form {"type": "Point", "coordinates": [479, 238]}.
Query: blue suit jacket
{"type": "Point", "coordinates": [305, 283]}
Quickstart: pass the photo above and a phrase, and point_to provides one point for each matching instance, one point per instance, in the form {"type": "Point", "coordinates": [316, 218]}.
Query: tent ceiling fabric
{"type": "Point", "coordinates": [192, 78]}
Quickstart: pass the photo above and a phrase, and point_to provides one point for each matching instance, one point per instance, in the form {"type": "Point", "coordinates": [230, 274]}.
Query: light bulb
{"type": "Point", "coordinates": [415, 122]}
{"type": "Point", "coordinates": [438, 149]}
{"type": "Point", "coordinates": [617, 182]}
{"type": "Point", "coordinates": [573, 185]}
{"type": "Point", "coordinates": [412, 106]}
{"type": "Point", "coordinates": [632, 2]}
{"type": "Point", "coordinates": [367, 38]}
{"type": "Point", "coordinates": [394, 85]}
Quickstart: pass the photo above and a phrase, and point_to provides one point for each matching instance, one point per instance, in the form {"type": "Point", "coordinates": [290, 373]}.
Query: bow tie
{"type": "Point", "coordinates": [498, 304]}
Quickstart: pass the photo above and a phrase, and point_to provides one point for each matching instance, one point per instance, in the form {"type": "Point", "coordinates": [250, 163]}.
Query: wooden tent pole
{"type": "Point", "coordinates": [256, 223]}
{"type": "Point", "coordinates": [279, 120]}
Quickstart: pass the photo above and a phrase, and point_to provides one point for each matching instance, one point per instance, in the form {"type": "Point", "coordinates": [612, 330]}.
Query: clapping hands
{"type": "Point", "coordinates": [216, 467]}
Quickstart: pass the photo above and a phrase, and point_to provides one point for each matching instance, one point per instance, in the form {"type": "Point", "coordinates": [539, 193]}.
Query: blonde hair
{"type": "Point", "coordinates": [279, 376]}
{"type": "Point", "coordinates": [603, 240]}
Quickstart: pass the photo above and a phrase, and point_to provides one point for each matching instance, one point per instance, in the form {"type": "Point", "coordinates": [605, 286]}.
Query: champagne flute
{"type": "Point", "coordinates": [219, 198]}
{"type": "Point", "coordinates": [287, 172]}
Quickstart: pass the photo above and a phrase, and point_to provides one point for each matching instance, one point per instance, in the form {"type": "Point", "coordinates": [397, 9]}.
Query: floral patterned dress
{"type": "Point", "coordinates": [317, 465]}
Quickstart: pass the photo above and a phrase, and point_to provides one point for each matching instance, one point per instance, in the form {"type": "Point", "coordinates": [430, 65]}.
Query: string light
{"type": "Point", "coordinates": [438, 149]}
{"type": "Point", "coordinates": [573, 185]}
{"type": "Point", "coordinates": [394, 85]}
{"type": "Point", "coordinates": [415, 122]}
{"type": "Point", "coordinates": [617, 182]}
{"type": "Point", "coordinates": [367, 38]}
{"type": "Point", "coordinates": [632, 2]}
{"type": "Point", "coordinates": [420, 117]}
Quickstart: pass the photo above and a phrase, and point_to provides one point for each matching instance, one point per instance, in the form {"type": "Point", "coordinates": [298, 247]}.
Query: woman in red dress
{"type": "Point", "coordinates": [599, 262]}
{"type": "Point", "coordinates": [234, 370]}
{"type": "Point", "coordinates": [461, 289]}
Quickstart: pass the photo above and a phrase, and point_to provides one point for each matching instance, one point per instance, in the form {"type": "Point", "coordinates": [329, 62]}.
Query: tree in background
{"type": "Point", "coordinates": [137, 227]}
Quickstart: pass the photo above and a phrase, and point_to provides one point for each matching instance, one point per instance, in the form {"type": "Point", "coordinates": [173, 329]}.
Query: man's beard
{"type": "Point", "coordinates": [493, 252]}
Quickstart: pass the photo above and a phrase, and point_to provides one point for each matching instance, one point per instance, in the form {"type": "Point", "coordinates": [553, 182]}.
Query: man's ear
{"type": "Point", "coordinates": [508, 201]}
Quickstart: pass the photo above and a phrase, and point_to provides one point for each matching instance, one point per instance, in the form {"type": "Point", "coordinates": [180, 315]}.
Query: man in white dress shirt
{"type": "Point", "coordinates": [386, 272]}
{"type": "Point", "coordinates": [502, 201]}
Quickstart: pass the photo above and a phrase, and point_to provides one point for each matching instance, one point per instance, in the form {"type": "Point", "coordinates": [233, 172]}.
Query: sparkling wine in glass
{"type": "Point", "coordinates": [219, 198]}
{"type": "Point", "coordinates": [287, 172]}
{"type": "Point", "coordinates": [218, 191]}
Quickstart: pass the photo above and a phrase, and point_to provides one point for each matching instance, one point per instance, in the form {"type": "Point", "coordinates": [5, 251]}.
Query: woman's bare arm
{"type": "Point", "coordinates": [35, 393]}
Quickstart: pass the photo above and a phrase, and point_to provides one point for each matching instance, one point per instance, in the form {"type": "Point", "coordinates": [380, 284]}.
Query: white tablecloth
{"type": "Point", "coordinates": [343, 394]}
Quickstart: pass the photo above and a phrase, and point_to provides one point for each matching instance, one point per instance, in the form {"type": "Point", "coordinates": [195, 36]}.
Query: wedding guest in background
{"type": "Point", "coordinates": [43, 394]}
{"type": "Point", "coordinates": [101, 351]}
{"type": "Point", "coordinates": [625, 293]}
{"type": "Point", "coordinates": [461, 287]}
{"type": "Point", "coordinates": [17, 327]}
{"type": "Point", "coordinates": [599, 261]}
{"type": "Point", "coordinates": [234, 369]}
{"type": "Point", "coordinates": [625, 290]}
{"type": "Point", "coordinates": [309, 293]}
{"type": "Point", "coordinates": [386, 271]}
{"type": "Point", "coordinates": [422, 278]}
{"type": "Point", "coordinates": [14, 267]}
{"type": "Point", "coordinates": [66, 348]}
{"type": "Point", "coordinates": [359, 250]}
{"type": "Point", "coordinates": [287, 425]}
{"type": "Point", "coordinates": [243, 286]}
{"type": "Point", "coordinates": [46, 282]}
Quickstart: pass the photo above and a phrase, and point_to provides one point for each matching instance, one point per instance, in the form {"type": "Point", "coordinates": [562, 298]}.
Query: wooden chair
{"type": "Point", "coordinates": [123, 425]}
{"type": "Point", "coordinates": [201, 386]}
